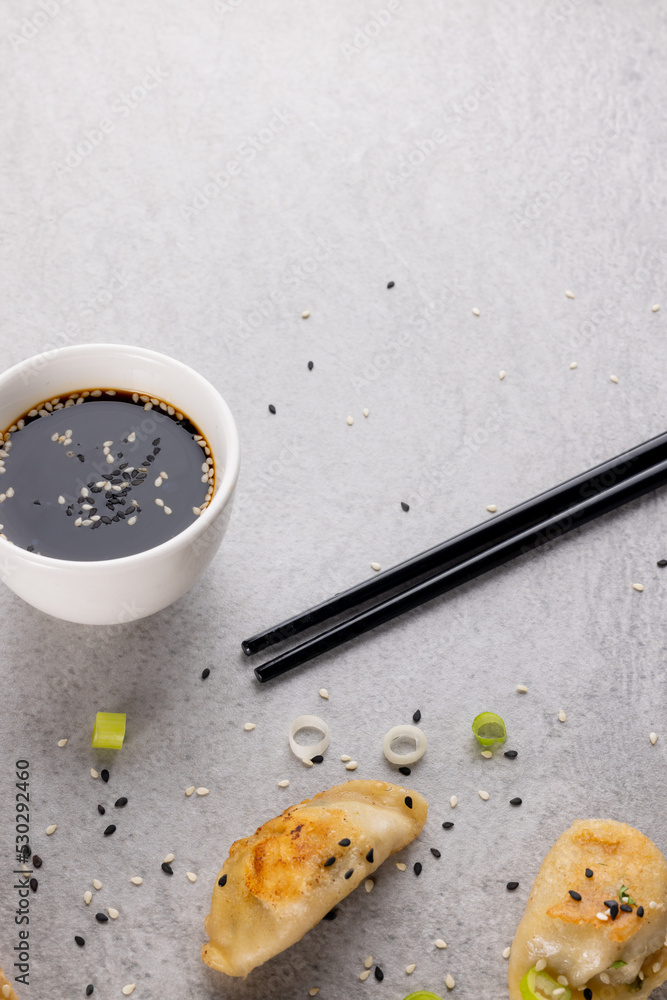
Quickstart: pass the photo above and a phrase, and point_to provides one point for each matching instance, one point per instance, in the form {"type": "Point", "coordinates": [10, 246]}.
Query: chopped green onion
{"type": "Point", "coordinates": [624, 891]}
{"type": "Point", "coordinates": [109, 731]}
{"type": "Point", "coordinates": [489, 729]}
{"type": "Point", "coordinates": [421, 995]}
{"type": "Point", "coordinates": [617, 965]}
{"type": "Point", "coordinates": [540, 986]}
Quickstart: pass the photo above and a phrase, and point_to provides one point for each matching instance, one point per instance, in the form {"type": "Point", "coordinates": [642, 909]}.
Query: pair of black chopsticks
{"type": "Point", "coordinates": [519, 530]}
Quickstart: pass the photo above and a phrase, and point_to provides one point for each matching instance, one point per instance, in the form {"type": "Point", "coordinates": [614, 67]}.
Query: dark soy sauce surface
{"type": "Point", "coordinates": [64, 499]}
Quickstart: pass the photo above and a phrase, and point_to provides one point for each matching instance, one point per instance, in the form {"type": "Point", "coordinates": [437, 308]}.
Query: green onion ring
{"type": "Point", "coordinates": [489, 729]}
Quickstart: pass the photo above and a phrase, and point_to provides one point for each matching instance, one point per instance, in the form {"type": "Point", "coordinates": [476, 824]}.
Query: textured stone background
{"type": "Point", "coordinates": [548, 174]}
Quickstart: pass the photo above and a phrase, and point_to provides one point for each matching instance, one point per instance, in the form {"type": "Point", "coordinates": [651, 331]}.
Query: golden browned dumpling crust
{"type": "Point", "coordinates": [620, 919]}
{"type": "Point", "coordinates": [281, 881]}
{"type": "Point", "coordinates": [6, 991]}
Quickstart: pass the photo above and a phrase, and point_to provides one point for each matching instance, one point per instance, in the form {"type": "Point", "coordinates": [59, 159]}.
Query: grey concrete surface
{"type": "Point", "coordinates": [479, 154]}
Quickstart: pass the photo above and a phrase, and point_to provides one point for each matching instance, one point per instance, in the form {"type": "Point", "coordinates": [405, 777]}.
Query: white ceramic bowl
{"type": "Point", "coordinates": [114, 591]}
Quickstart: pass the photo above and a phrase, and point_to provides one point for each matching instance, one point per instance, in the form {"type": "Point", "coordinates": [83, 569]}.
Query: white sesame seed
{"type": "Point", "coordinates": [350, 420]}
{"type": "Point", "coordinates": [189, 790]}
{"type": "Point", "coordinates": [653, 738]}
{"type": "Point", "coordinates": [561, 989]}
{"type": "Point", "coordinates": [522, 689]}
{"type": "Point", "coordinates": [653, 905]}
{"type": "Point", "coordinates": [507, 952]}
{"type": "Point", "coordinates": [401, 867]}
{"type": "Point", "coordinates": [450, 982]}
{"type": "Point", "coordinates": [204, 479]}
{"type": "Point", "coordinates": [10, 492]}
{"type": "Point", "coordinates": [410, 968]}
{"type": "Point", "coordinates": [248, 726]}
{"type": "Point", "coordinates": [159, 502]}
{"type": "Point", "coordinates": [61, 499]}
{"type": "Point", "coordinates": [655, 308]}
{"type": "Point", "coordinates": [164, 475]}
{"type": "Point", "coordinates": [112, 913]}
{"type": "Point", "coordinates": [501, 375]}
{"type": "Point", "coordinates": [376, 566]}
{"type": "Point", "coordinates": [641, 975]}
{"type": "Point", "coordinates": [313, 993]}
{"type": "Point", "coordinates": [191, 877]}
{"type": "Point", "coordinates": [133, 436]}
{"type": "Point", "coordinates": [351, 765]}
{"type": "Point", "coordinates": [169, 858]}
{"type": "Point", "coordinates": [87, 523]}
{"type": "Point", "coordinates": [368, 885]}
{"type": "Point", "coordinates": [167, 510]}
{"type": "Point", "coordinates": [453, 801]}
{"type": "Point", "coordinates": [483, 795]}
{"type": "Point", "coordinates": [562, 716]}
{"type": "Point", "coordinates": [345, 758]}
{"type": "Point", "coordinates": [366, 412]}
{"type": "Point", "coordinates": [306, 762]}
{"type": "Point", "coordinates": [573, 365]}
{"type": "Point", "coordinates": [110, 459]}
{"type": "Point", "coordinates": [136, 880]}
{"type": "Point", "coordinates": [51, 829]}
{"type": "Point", "coordinates": [93, 773]}
{"type": "Point", "coordinates": [614, 378]}
{"type": "Point", "coordinates": [604, 978]}
{"type": "Point", "coordinates": [3, 497]}
{"type": "Point", "coordinates": [635, 586]}
{"type": "Point", "coordinates": [202, 791]}
{"type": "Point", "coordinates": [204, 467]}
{"type": "Point", "coordinates": [132, 520]}
{"type": "Point", "coordinates": [196, 511]}
{"type": "Point", "coordinates": [78, 522]}
{"type": "Point", "coordinates": [475, 311]}
{"type": "Point", "coordinates": [130, 988]}
{"type": "Point", "coordinates": [63, 743]}
{"type": "Point", "coordinates": [283, 784]}
{"type": "Point", "coordinates": [487, 754]}
{"type": "Point", "coordinates": [158, 481]}
{"type": "Point", "coordinates": [97, 884]}
{"type": "Point", "coordinates": [364, 975]}
{"type": "Point", "coordinates": [569, 294]}
{"type": "Point", "coordinates": [87, 897]}
{"type": "Point", "coordinates": [600, 916]}
{"type": "Point", "coordinates": [86, 506]}
{"type": "Point", "coordinates": [541, 965]}
{"type": "Point", "coordinates": [491, 508]}
{"type": "Point", "coordinates": [323, 693]}
{"type": "Point", "coordinates": [439, 943]}
{"type": "Point", "coordinates": [368, 962]}
{"type": "Point", "coordinates": [656, 967]}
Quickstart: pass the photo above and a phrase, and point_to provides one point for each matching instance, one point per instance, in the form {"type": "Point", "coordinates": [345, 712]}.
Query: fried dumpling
{"type": "Point", "coordinates": [596, 917]}
{"type": "Point", "coordinates": [6, 991]}
{"type": "Point", "coordinates": [281, 881]}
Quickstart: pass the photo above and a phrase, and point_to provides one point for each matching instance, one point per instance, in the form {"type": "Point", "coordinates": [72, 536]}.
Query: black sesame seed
{"type": "Point", "coordinates": [33, 884]}
{"type": "Point", "coordinates": [168, 870]}
{"type": "Point", "coordinates": [640, 911]}
{"type": "Point", "coordinates": [81, 458]}
{"type": "Point", "coordinates": [98, 524]}
{"type": "Point", "coordinates": [329, 862]}
{"type": "Point", "coordinates": [404, 770]}
{"type": "Point", "coordinates": [222, 881]}
{"type": "Point", "coordinates": [30, 548]}
{"type": "Point", "coordinates": [331, 915]}
{"type": "Point", "coordinates": [104, 519]}
{"type": "Point", "coordinates": [589, 873]}
{"type": "Point", "coordinates": [511, 754]}
{"type": "Point", "coordinates": [610, 903]}
{"type": "Point", "coordinates": [391, 284]}
{"type": "Point", "coordinates": [310, 366]}
{"type": "Point", "coordinates": [79, 940]}
{"type": "Point", "coordinates": [370, 856]}
{"type": "Point", "coordinates": [575, 895]}
{"type": "Point", "coordinates": [101, 918]}
{"type": "Point", "coordinates": [150, 459]}
{"type": "Point", "coordinates": [417, 868]}
{"type": "Point", "coordinates": [345, 842]}
{"type": "Point", "coordinates": [626, 908]}
{"type": "Point", "coordinates": [101, 810]}
{"type": "Point", "coordinates": [447, 825]}
{"type": "Point", "coordinates": [349, 873]}
{"type": "Point", "coordinates": [37, 861]}
{"type": "Point", "coordinates": [205, 673]}
{"type": "Point", "coordinates": [435, 852]}
{"type": "Point", "coordinates": [512, 886]}
{"type": "Point", "coordinates": [379, 974]}
{"type": "Point", "coordinates": [69, 512]}
{"type": "Point", "coordinates": [89, 990]}
{"type": "Point", "coordinates": [317, 759]}
{"type": "Point", "coordinates": [39, 504]}
{"type": "Point", "coordinates": [156, 451]}
{"type": "Point", "coordinates": [661, 562]}
{"type": "Point", "coordinates": [104, 774]}
{"type": "Point", "coordinates": [272, 408]}
{"type": "Point", "coordinates": [405, 506]}
{"type": "Point", "coordinates": [516, 802]}
{"type": "Point", "coordinates": [119, 803]}
{"type": "Point", "coordinates": [157, 441]}
{"type": "Point", "coordinates": [613, 911]}
{"type": "Point", "coordinates": [588, 994]}
{"type": "Point", "coordinates": [417, 716]}
{"type": "Point", "coordinates": [408, 801]}
{"type": "Point", "coordinates": [109, 830]}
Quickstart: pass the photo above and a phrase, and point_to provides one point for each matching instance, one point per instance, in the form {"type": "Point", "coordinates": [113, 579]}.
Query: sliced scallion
{"type": "Point", "coordinates": [489, 729]}
{"type": "Point", "coordinates": [540, 986]}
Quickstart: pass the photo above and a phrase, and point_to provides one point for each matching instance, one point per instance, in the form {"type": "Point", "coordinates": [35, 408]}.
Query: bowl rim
{"type": "Point", "coordinates": [220, 498]}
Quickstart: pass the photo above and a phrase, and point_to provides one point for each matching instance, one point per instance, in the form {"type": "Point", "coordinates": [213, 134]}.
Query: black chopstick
{"type": "Point", "coordinates": [462, 546]}
{"type": "Point", "coordinates": [519, 544]}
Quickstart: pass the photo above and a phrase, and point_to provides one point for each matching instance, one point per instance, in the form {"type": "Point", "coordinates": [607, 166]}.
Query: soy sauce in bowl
{"type": "Point", "coordinates": [100, 474]}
